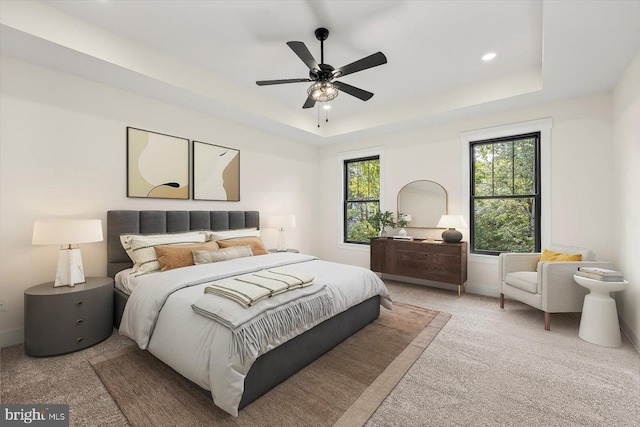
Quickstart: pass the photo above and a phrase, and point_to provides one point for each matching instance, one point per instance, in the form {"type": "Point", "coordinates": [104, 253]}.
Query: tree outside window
{"type": "Point", "coordinates": [361, 199]}
{"type": "Point", "coordinates": [505, 195]}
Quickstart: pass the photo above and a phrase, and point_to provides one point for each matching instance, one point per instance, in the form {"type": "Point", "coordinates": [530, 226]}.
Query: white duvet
{"type": "Point", "coordinates": [159, 317]}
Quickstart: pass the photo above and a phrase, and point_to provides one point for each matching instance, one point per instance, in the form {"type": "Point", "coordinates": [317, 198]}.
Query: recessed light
{"type": "Point", "coordinates": [489, 56]}
{"type": "Point", "coordinates": [327, 107]}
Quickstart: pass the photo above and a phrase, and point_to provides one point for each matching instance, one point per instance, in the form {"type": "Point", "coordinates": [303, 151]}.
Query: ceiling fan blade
{"type": "Point", "coordinates": [300, 49]}
{"type": "Point", "coordinates": [280, 82]}
{"type": "Point", "coordinates": [370, 61]}
{"type": "Point", "coordinates": [354, 91]}
{"type": "Point", "coordinates": [310, 102]}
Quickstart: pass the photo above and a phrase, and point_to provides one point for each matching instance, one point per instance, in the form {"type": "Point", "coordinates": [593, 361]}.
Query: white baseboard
{"type": "Point", "coordinates": [8, 338]}
{"type": "Point", "coordinates": [489, 291]}
{"type": "Point", "coordinates": [630, 334]}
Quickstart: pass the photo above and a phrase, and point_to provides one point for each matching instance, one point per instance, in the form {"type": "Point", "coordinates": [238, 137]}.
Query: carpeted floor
{"type": "Point", "coordinates": [149, 393]}
{"type": "Point", "coordinates": [486, 367]}
{"type": "Point", "coordinates": [491, 367]}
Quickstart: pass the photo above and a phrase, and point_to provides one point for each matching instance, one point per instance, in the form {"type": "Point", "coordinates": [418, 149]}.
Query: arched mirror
{"type": "Point", "coordinates": [426, 201]}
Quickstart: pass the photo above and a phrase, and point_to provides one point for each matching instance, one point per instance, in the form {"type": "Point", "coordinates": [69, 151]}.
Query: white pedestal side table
{"type": "Point", "coordinates": [599, 321]}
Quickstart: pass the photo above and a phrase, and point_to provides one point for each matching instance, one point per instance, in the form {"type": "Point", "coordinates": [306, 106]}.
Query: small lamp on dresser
{"type": "Point", "coordinates": [451, 222]}
{"type": "Point", "coordinates": [67, 233]}
{"type": "Point", "coordinates": [281, 222]}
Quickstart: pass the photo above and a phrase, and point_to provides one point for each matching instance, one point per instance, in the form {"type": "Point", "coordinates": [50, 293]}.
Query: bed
{"type": "Point", "coordinates": [258, 375]}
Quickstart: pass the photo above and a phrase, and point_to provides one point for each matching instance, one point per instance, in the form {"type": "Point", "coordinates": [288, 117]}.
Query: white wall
{"type": "Point", "coordinates": [626, 216]}
{"type": "Point", "coordinates": [63, 155]}
{"type": "Point", "coordinates": [63, 151]}
{"type": "Point", "coordinates": [581, 165]}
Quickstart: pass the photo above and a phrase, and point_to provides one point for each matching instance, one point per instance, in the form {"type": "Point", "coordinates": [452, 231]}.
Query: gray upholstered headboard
{"type": "Point", "coordinates": [148, 222]}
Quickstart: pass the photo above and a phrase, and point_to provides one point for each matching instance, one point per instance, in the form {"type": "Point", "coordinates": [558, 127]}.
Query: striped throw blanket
{"type": "Point", "coordinates": [249, 289]}
{"type": "Point", "coordinates": [256, 326]}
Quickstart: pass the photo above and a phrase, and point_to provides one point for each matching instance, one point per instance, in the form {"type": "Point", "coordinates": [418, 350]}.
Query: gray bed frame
{"type": "Point", "coordinates": [273, 367]}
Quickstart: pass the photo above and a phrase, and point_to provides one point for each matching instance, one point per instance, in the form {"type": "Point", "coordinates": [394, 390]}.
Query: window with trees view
{"type": "Point", "coordinates": [505, 195]}
{"type": "Point", "coordinates": [361, 199]}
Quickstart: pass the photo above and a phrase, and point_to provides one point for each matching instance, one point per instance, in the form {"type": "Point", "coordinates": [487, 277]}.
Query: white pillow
{"type": "Point", "coordinates": [144, 254]}
{"type": "Point", "coordinates": [232, 234]}
{"type": "Point", "coordinates": [587, 255]}
{"type": "Point", "coordinates": [125, 239]}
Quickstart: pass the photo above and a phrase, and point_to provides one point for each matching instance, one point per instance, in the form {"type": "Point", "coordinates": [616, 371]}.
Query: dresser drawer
{"type": "Point", "coordinates": [430, 248]}
{"type": "Point", "coordinates": [438, 267]}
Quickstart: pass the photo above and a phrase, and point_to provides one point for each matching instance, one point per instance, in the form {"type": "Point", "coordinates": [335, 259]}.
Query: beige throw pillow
{"type": "Point", "coordinates": [257, 246]}
{"type": "Point", "coordinates": [208, 256]}
{"type": "Point", "coordinates": [176, 256]}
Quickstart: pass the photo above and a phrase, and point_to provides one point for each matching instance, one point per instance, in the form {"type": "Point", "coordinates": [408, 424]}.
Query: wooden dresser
{"type": "Point", "coordinates": [442, 262]}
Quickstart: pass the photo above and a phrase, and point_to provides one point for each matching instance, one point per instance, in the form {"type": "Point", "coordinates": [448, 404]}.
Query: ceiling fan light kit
{"type": "Point", "coordinates": [322, 91]}
{"type": "Point", "coordinates": [325, 87]}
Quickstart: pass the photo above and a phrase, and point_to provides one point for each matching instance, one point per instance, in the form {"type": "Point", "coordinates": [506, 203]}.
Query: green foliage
{"type": "Point", "coordinates": [383, 220]}
{"type": "Point", "coordinates": [363, 194]}
{"type": "Point", "coordinates": [361, 225]}
{"type": "Point", "coordinates": [500, 169]}
{"type": "Point", "coordinates": [401, 222]}
{"type": "Point", "coordinates": [504, 225]}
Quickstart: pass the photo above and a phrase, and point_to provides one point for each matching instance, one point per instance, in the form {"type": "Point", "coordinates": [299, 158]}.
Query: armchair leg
{"type": "Point", "coordinates": [547, 321]}
{"type": "Point", "coordinates": [501, 300]}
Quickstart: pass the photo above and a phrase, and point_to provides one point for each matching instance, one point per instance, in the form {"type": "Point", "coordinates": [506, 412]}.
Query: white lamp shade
{"type": "Point", "coordinates": [281, 221]}
{"type": "Point", "coordinates": [66, 231]}
{"type": "Point", "coordinates": [452, 221]}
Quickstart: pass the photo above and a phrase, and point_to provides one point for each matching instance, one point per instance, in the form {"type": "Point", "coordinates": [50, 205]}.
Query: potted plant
{"type": "Point", "coordinates": [403, 221]}
{"type": "Point", "coordinates": [382, 220]}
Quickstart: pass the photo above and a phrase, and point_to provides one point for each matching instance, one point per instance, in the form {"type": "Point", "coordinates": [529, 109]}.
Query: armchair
{"type": "Point", "coordinates": [551, 288]}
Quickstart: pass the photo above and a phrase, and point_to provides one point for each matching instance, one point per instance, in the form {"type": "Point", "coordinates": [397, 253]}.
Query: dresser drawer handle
{"type": "Point", "coordinates": [79, 302]}
{"type": "Point", "coordinates": [79, 321]}
{"type": "Point", "coordinates": [79, 339]}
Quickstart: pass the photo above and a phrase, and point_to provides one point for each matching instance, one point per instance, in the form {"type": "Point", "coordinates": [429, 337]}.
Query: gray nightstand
{"type": "Point", "coordinates": [65, 319]}
{"type": "Point", "coordinates": [275, 251]}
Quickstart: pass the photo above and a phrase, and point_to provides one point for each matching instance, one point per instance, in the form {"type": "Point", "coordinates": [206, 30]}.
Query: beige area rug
{"type": "Point", "coordinates": [343, 387]}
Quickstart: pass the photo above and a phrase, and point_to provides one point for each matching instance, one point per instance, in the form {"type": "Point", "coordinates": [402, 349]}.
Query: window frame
{"type": "Point", "coordinates": [543, 126]}
{"type": "Point", "coordinates": [338, 199]}
{"type": "Point", "coordinates": [536, 195]}
{"type": "Point", "coordinates": [345, 192]}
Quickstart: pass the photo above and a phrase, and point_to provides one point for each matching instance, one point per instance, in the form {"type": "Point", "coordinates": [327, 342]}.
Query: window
{"type": "Point", "coordinates": [361, 198]}
{"type": "Point", "coordinates": [505, 196]}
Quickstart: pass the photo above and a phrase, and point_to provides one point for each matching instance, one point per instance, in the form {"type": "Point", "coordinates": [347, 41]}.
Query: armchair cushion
{"type": "Point", "coordinates": [587, 255]}
{"type": "Point", "coordinates": [524, 280]}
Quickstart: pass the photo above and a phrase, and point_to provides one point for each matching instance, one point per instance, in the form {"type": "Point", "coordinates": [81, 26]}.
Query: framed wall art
{"type": "Point", "coordinates": [157, 165]}
{"type": "Point", "coordinates": [216, 172]}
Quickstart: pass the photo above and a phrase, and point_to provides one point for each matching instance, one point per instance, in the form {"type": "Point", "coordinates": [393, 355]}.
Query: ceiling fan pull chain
{"type": "Point", "coordinates": [318, 115]}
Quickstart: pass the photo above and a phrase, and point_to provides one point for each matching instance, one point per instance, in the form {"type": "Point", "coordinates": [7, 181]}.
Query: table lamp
{"type": "Point", "coordinates": [280, 222]}
{"type": "Point", "coordinates": [67, 233]}
{"type": "Point", "coordinates": [451, 222]}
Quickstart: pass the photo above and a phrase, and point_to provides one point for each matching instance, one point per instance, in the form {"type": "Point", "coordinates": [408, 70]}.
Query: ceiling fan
{"type": "Point", "coordinates": [325, 86]}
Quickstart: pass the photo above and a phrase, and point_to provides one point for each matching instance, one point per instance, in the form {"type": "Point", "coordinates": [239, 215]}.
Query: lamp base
{"type": "Point", "coordinates": [282, 247]}
{"type": "Point", "coordinates": [70, 269]}
{"type": "Point", "coordinates": [451, 235]}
